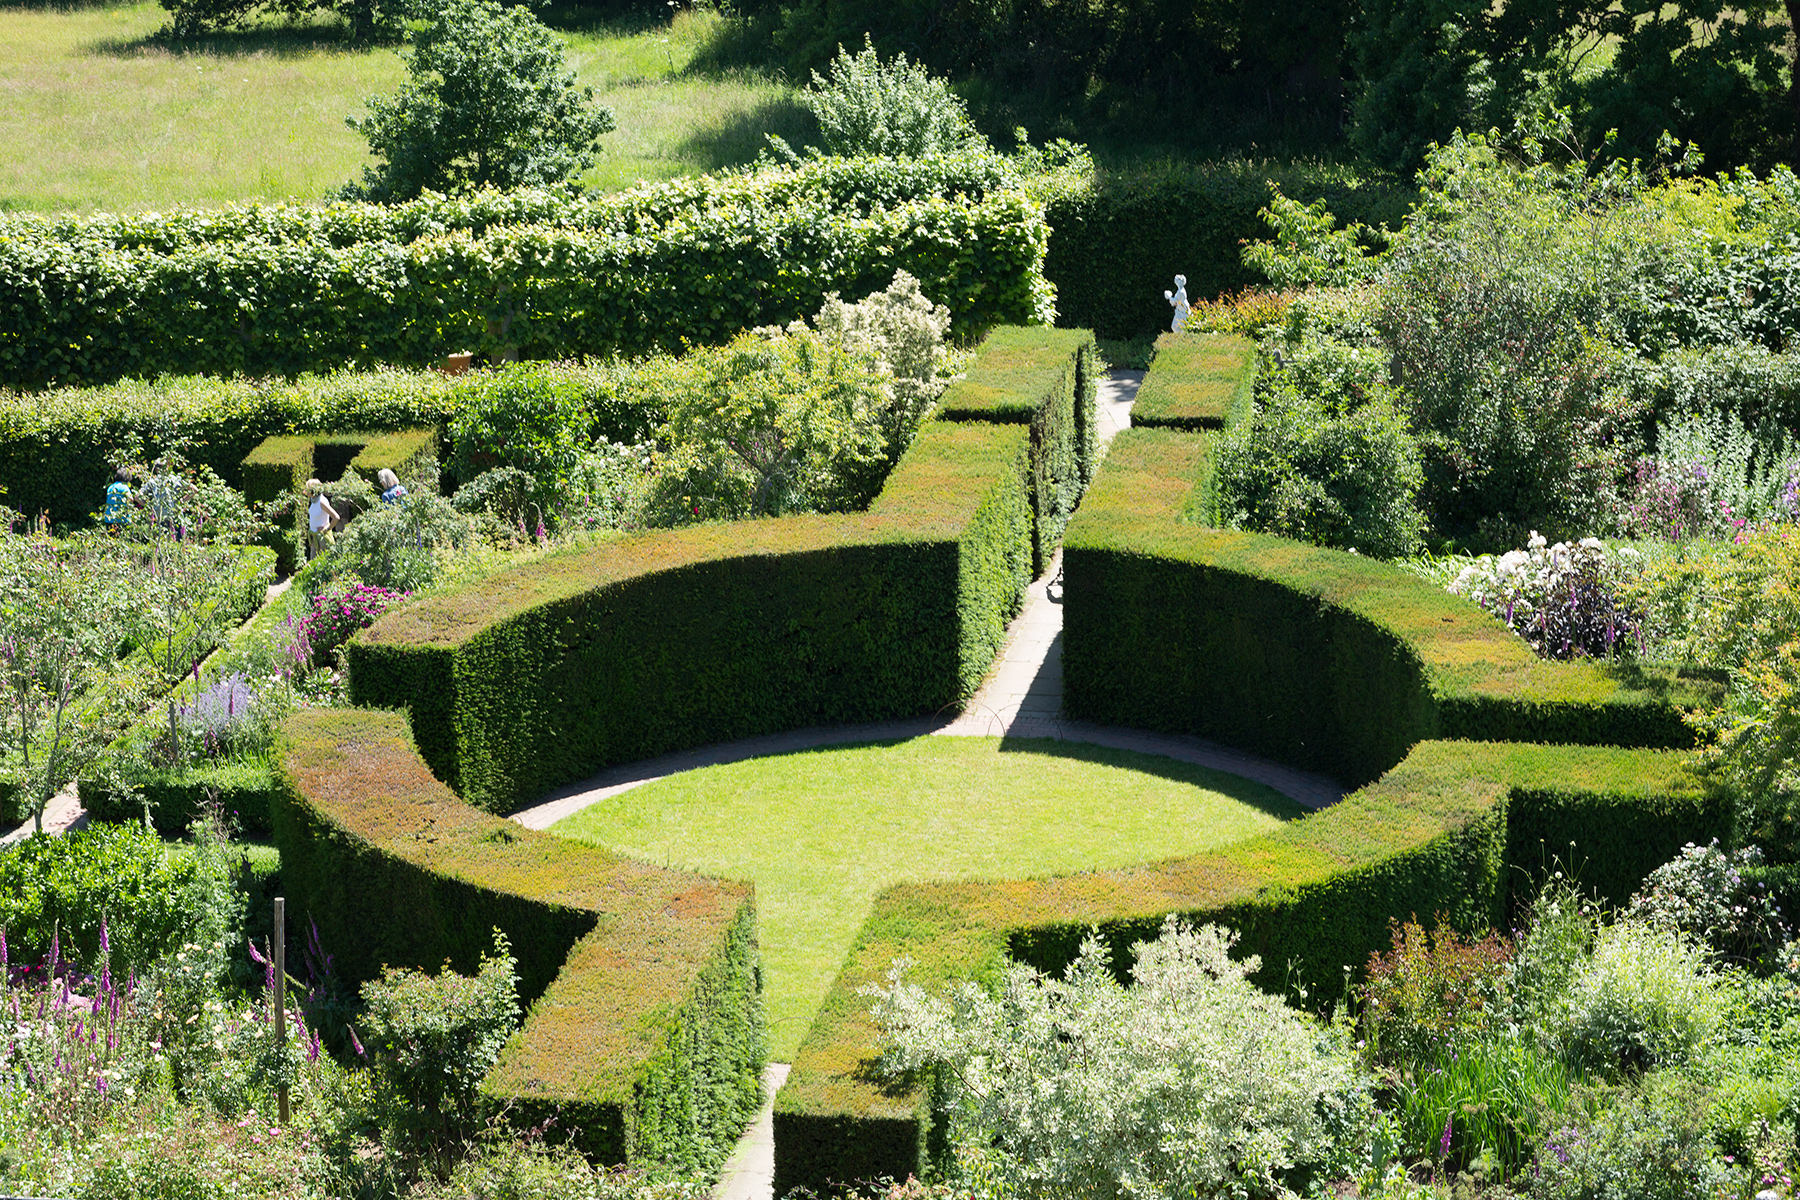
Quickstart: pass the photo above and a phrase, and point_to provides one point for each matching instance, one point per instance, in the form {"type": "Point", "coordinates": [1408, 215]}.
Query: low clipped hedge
{"type": "Point", "coordinates": [1196, 381]}
{"type": "Point", "coordinates": [644, 1036]}
{"type": "Point", "coordinates": [244, 790]}
{"type": "Point", "coordinates": [1329, 661]}
{"type": "Point", "coordinates": [58, 449]}
{"type": "Point", "coordinates": [1434, 837]}
{"type": "Point", "coordinates": [626, 649]}
{"type": "Point", "coordinates": [1047, 381]}
{"type": "Point", "coordinates": [282, 465]}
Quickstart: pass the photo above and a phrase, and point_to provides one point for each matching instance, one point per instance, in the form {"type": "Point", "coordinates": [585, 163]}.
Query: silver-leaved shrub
{"type": "Point", "coordinates": [1188, 1081]}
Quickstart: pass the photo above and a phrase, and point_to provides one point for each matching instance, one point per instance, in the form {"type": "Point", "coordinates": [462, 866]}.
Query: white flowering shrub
{"type": "Point", "coordinates": [1646, 996]}
{"type": "Point", "coordinates": [893, 108]}
{"type": "Point", "coordinates": [1189, 1081]}
{"type": "Point", "coordinates": [1564, 599]}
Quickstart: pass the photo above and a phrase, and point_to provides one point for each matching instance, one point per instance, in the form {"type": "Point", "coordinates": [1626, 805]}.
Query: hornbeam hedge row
{"type": "Point", "coordinates": [83, 309]}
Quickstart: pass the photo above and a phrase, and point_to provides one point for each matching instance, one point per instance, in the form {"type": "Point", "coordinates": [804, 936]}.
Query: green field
{"type": "Point", "coordinates": [820, 832]}
{"type": "Point", "coordinates": [99, 114]}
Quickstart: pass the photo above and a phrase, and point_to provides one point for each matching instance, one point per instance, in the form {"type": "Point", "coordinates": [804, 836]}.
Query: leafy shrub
{"type": "Point", "coordinates": [1326, 458]}
{"type": "Point", "coordinates": [894, 108]}
{"type": "Point", "coordinates": [1710, 895]}
{"type": "Point", "coordinates": [527, 416]}
{"type": "Point", "coordinates": [1650, 1145]}
{"type": "Point", "coordinates": [1309, 249]}
{"type": "Point", "coordinates": [66, 888]}
{"type": "Point", "coordinates": [1190, 1081]}
{"type": "Point", "coordinates": [1645, 996]}
{"type": "Point", "coordinates": [487, 103]}
{"type": "Point", "coordinates": [901, 333]}
{"type": "Point", "coordinates": [1567, 600]}
{"type": "Point", "coordinates": [1496, 299]}
{"type": "Point", "coordinates": [1433, 993]}
{"type": "Point", "coordinates": [1246, 313]}
{"type": "Point", "coordinates": [432, 1038]}
{"type": "Point", "coordinates": [764, 426]}
{"type": "Point", "coordinates": [400, 547]}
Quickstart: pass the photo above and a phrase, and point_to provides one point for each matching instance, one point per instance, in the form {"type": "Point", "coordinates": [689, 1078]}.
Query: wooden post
{"type": "Point", "coordinates": [281, 1089]}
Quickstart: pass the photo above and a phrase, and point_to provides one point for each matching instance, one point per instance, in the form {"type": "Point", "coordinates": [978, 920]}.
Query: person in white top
{"type": "Point", "coordinates": [320, 517]}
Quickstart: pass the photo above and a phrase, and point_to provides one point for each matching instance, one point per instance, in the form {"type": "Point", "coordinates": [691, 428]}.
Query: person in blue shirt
{"type": "Point", "coordinates": [117, 512]}
{"type": "Point", "coordinates": [391, 491]}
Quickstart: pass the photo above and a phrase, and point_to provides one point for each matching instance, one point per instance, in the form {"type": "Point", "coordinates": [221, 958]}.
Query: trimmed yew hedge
{"type": "Point", "coordinates": [626, 649]}
{"type": "Point", "coordinates": [644, 1036]}
{"type": "Point", "coordinates": [283, 464]}
{"type": "Point", "coordinates": [1329, 661]}
{"type": "Point", "coordinates": [1433, 838]}
{"type": "Point", "coordinates": [1196, 381]}
{"type": "Point", "coordinates": [58, 449]}
{"type": "Point", "coordinates": [1045, 380]}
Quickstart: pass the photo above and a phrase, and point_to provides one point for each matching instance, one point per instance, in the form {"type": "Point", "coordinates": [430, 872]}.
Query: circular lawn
{"type": "Point", "coordinates": [822, 831]}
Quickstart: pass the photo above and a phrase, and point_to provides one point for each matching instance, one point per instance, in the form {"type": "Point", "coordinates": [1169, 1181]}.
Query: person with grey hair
{"type": "Point", "coordinates": [391, 490]}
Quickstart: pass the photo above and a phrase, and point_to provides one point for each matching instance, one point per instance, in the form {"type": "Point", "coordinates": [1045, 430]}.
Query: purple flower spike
{"type": "Point", "coordinates": [356, 1044]}
{"type": "Point", "coordinates": [105, 943]}
{"type": "Point", "coordinates": [1444, 1142]}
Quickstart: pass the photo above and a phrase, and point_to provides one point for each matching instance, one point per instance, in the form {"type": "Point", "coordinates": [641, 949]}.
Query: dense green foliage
{"type": "Point", "coordinates": [488, 102]}
{"type": "Point", "coordinates": [896, 108]}
{"type": "Point", "coordinates": [663, 264]}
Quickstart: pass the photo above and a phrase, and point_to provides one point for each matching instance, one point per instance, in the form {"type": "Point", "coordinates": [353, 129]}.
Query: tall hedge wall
{"type": "Point", "coordinates": [1118, 240]}
{"type": "Point", "coordinates": [645, 275]}
{"type": "Point", "coordinates": [629, 648]}
{"type": "Point", "coordinates": [1330, 661]}
{"type": "Point", "coordinates": [58, 449]}
{"type": "Point", "coordinates": [1047, 381]}
{"type": "Point", "coordinates": [644, 1036]}
{"type": "Point", "coordinates": [1435, 836]}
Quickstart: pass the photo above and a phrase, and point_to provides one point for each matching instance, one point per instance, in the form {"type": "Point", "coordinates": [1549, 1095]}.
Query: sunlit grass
{"type": "Point", "coordinates": [96, 113]}
{"type": "Point", "coordinates": [822, 832]}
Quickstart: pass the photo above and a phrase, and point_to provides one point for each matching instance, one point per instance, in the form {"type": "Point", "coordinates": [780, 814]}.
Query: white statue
{"type": "Point", "coordinates": [1178, 298]}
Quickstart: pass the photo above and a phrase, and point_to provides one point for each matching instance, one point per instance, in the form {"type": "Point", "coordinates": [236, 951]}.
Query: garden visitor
{"type": "Point", "coordinates": [117, 512]}
{"type": "Point", "coordinates": [391, 491]}
{"type": "Point", "coordinates": [320, 518]}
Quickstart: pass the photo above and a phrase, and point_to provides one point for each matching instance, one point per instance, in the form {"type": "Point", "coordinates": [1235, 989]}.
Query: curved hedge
{"type": "Point", "coordinates": [1315, 658]}
{"type": "Point", "coordinates": [1322, 659]}
{"type": "Point", "coordinates": [635, 646]}
{"type": "Point", "coordinates": [644, 1036]}
{"type": "Point", "coordinates": [1433, 837]}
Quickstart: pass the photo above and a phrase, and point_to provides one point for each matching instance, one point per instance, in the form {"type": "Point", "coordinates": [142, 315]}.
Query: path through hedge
{"type": "Point", "coordinates": [1021, 697]}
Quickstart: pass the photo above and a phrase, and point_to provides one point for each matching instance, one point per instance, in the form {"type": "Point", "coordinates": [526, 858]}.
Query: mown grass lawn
{"type": "Point", "coordinates": [97, 113]}
{"type": "Point", "coordinates": [821, 832]}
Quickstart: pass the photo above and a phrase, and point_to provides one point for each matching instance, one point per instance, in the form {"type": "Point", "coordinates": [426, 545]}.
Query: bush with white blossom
{"type": "Point", "coordinates": [1189, 1081]}
{"type": "Point", "coordinates": [1564, 599]}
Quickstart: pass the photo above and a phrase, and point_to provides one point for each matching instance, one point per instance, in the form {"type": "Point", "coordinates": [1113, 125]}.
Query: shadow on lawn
{"type": "Point", "coordinates": [284, 40]}
{"type": "Point", "coordinates": [1248, 792]}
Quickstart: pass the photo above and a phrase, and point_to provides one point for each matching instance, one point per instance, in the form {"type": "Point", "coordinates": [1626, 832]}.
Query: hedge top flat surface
{"type": "Point", "coordinates": [822, 831]}
{"type": "Point", "coordinates": [1196, 381]}
{"type": "Point", "coordinates": [1019, 369]}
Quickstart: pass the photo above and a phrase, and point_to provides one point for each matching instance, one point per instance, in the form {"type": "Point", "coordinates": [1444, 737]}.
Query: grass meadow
{"type": "Point", "coordinates": [96, 112]}
{"type": "Point", "coordinates": [821, 832]}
